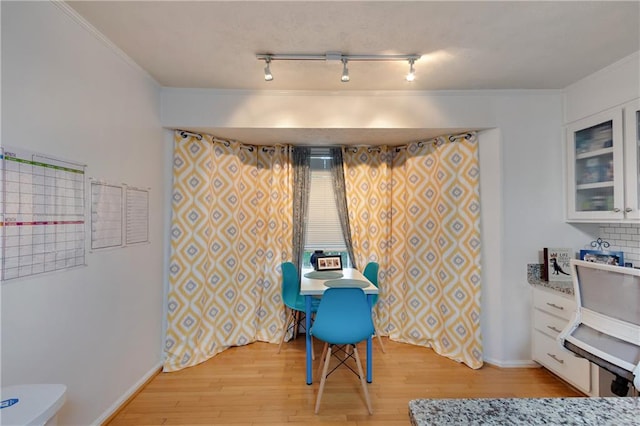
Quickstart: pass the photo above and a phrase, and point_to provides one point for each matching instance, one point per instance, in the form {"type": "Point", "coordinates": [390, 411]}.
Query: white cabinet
{"type": "Point", "coordinates": [551, 313]}
{"type": "Point", "coordinates": [603, 156]}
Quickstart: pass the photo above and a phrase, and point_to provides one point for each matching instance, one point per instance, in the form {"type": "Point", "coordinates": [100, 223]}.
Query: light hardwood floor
{"type": "Point", "coordinates": [253, 385]}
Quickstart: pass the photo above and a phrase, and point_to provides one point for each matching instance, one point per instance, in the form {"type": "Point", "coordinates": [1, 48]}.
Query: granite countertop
{"type": "Point", "coordinates": [525, 411]}
{"type": "Point", "coordinates": [534, 272]}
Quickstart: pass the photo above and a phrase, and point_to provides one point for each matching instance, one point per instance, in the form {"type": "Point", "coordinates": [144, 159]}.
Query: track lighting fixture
{"type": "Point", "coordinates": [267, 71]}
{"type": "Point", "coordinates": [345, 71]}
{"type": "Point", "coordinates": [336, 56]}
{"type": "Point", "coordinates": [412, 72]}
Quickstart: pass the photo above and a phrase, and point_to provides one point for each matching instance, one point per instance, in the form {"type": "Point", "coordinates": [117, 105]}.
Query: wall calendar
{"type": "Point", "coordinates": [42, 214]}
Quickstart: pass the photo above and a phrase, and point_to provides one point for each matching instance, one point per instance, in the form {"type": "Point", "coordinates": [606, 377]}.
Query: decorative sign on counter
{"type": "Point", "coordinates": [599, 255]}
{"type": "Point", "coordinates": [615, 258]}
{"type": "Point", "coordinates": [556, 266]}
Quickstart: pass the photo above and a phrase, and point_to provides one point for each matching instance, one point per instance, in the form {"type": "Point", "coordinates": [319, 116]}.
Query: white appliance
{"type": "Point", "coordinates": [605, 329]}
{"type": "Point", "coordinates": [31, 405]}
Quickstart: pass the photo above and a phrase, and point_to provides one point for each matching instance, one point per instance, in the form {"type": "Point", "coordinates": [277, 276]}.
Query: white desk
{"type": "Point", "coordinates": [310, 287]}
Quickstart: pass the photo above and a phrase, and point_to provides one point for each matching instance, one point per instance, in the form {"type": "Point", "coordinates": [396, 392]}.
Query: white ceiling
{"type": "Point", "coordinates": [464, 45]}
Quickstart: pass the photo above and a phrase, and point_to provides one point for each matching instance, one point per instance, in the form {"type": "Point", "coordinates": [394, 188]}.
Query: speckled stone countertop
{"type": "Point", "coordinates": [534, 272]}
{"type": "Point", "coordinates": [525, 411]}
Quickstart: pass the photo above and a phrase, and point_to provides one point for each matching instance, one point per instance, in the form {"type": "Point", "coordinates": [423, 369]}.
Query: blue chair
{"type": "Point", "coordinates": [343, 320]}
{"type": "Point", "coordinates": [371, 273]}
{"type": "Point", "coordinates": [293, 301]}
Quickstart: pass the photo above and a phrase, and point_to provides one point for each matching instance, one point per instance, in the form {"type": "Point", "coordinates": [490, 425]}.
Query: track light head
{"type": "Point", "coordinates": [412, 72]}
{"type": "Point", "coordinates": [267, 70]}
{"type": "Point", "coordinates": [345, 72]}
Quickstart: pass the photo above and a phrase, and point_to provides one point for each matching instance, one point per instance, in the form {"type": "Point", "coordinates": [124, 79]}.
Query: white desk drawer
{"type": "Point", "coordinates": [574, 370]}
{"type": "Point", "coordinates": [548, 324]}
{"type": "Point", "coordinates": [554, 304]}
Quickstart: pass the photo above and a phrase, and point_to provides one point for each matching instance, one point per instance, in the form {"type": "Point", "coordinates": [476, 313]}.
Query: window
{"type": "Point", "coordinates": [323, 230]}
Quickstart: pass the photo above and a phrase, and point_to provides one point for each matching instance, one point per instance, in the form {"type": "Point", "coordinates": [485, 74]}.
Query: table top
{"type": "Point", "coordinates": [316, 287]}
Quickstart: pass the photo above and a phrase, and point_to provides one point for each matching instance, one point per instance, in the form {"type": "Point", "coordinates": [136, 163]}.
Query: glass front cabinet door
{"type": "Point", "coordinates": [595, 180]}
{"type": "Point", "coordinates": [604, 166]}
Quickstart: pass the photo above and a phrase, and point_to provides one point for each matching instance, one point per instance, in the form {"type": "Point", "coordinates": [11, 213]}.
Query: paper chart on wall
{"type": "Point", "coordinates": [42, 214]}
{"type": "Point", "coordinates": [106, 215]}
{"type": "Point", "coordinates": [119, 215]}
{"type": "Point", "coordinates": [137, 215]}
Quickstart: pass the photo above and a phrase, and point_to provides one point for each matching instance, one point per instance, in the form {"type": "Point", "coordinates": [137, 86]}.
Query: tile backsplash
{"type": "Point", "coordinates": [623, 237]}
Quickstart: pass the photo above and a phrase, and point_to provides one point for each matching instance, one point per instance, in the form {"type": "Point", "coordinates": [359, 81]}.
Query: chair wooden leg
{"type": "Point", "coordinates": [286, 327]}
{"type": "Point", "coordinates": [375, 328]}
{"type": "Point", "coordinates": [323, 379]}
{"type": "Point", "coordinates": [324, 352]}
{"type": "Point", "coordinates": [347, 352]}
{"type": "Point", "coordinates": [364, 384]}
{"type": "Point", "coordinates": [379, 340]}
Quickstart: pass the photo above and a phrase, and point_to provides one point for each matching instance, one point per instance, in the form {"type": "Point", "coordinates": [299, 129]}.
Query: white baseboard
{"type": "Point", "coordinates": [125, 397]}
{"type": "Point", "coordinates": [524, 363]}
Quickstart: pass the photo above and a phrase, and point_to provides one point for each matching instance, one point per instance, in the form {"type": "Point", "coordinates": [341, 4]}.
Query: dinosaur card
{"type": "Point", "coordinates": [556, 264]}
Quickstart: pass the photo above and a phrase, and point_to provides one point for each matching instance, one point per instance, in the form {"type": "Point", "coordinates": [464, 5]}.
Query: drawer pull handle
{"type": "Point", "coordinates": [552, 328]}
{"type": "Point", "coordinates": [553, 305]}
{"type": "Point", "coordinates": [556, 358]}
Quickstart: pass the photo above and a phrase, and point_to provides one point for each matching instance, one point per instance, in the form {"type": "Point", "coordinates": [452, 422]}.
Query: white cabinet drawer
{"type": "Point", "coordinates": [548, 324]}
{"type": "Point", "coordinates": [554, 304]}
{"type": "Point", "coordinates": [548, 352]}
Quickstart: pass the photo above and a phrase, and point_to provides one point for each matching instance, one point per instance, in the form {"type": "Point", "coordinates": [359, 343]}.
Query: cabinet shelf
{"type": "Point", "coordinates": [595, 185]}
{"type": "Point", "coordinates": [596, 153]}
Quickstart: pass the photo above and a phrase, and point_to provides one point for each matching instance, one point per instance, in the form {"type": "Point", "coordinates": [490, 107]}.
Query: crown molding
{"type": "Point", "coordinates": [70, 12]}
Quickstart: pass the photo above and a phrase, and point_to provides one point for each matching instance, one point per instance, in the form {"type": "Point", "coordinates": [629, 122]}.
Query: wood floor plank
{"type": "Point", "coordinates": [253, 385]}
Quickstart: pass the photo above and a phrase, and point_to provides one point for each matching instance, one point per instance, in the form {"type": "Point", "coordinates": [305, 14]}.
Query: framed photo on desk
{"type": "Point", "coordinates": [329, 263]}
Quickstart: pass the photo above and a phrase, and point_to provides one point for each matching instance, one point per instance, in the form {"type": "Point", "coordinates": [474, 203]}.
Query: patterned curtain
{"type": "Point", "coordinates": [231, 229]}
{"type": "Point", "coordinates": [435, 279]}
{"type": "Point", "coordinates": [418, 216]}
{"type": "Point", "coordinates": [367, 175]}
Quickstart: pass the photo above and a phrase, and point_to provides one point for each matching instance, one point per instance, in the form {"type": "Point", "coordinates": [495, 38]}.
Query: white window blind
{"type": "Point", "coordinates": [324, 231]}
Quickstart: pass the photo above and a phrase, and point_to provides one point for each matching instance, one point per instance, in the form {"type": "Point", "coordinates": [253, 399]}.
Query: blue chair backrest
{"type": "Point", "coordinates": [343, 317]}
{"type": "Point", "coordinates": [371, 273]}
{"type": "Point", "coordinates": [290, 284]}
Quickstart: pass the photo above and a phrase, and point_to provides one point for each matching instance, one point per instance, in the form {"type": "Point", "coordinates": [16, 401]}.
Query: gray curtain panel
{"type": "Point", "coordinates": [337, 173]}
{"type": "Point", "coordinates": [301, 186]}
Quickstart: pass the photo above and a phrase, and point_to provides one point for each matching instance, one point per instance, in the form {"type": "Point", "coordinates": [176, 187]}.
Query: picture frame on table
{"type": "Point", "coordinates": [329, 263]}
{"type": "Point", "coordinates": [615, 258]}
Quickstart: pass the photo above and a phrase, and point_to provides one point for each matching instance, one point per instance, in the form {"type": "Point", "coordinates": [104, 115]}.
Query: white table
{"type": "Point", "coordinates": [310, 287]}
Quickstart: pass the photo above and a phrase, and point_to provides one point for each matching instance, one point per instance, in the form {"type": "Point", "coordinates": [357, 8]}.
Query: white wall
{"type": "Point", "coordinates": [521, 170]}
{"type": "Point", "coordinates": [96, 329]}
{"type": "Point", "coordinates": [533, 208]}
